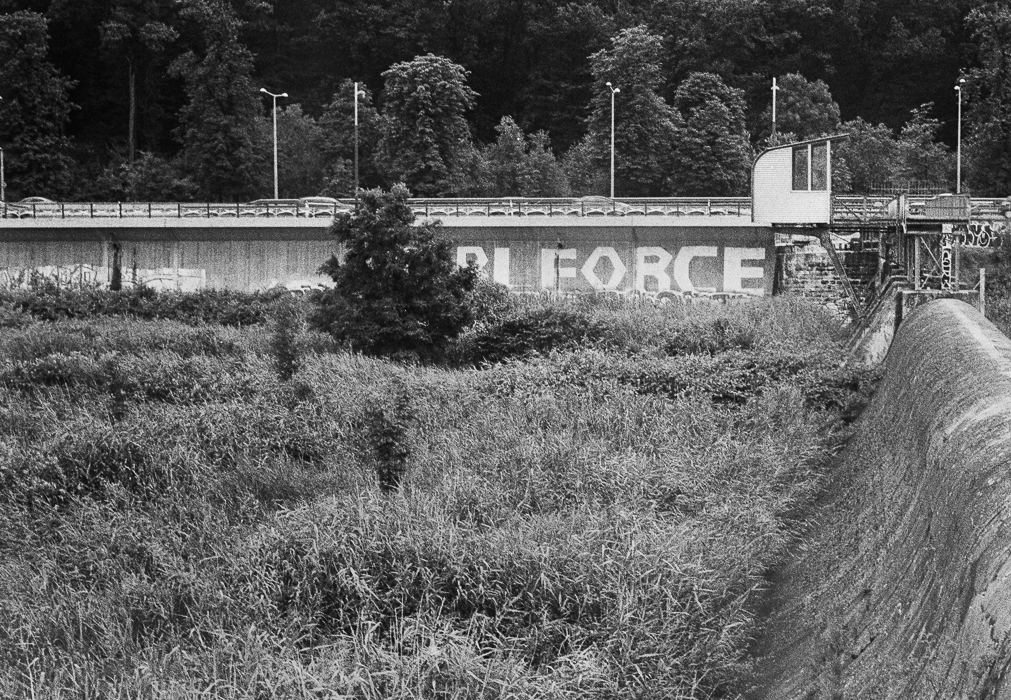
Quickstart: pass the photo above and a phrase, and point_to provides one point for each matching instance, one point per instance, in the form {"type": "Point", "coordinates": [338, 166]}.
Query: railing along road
{"type": "Point", "coordinates": [587, 206]}
{"type": "Point", "coordinates": [846, 209]}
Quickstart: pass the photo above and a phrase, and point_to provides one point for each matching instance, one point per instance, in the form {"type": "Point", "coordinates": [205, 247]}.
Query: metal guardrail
{"type": "Point", "coordinates": [860, 209]}
{"type": "Point", "coordinates": [874, 209]}
{"type": "Point", "coordinates": [846, 209]}
{"type": "Point", "coordinates": [434, 208]}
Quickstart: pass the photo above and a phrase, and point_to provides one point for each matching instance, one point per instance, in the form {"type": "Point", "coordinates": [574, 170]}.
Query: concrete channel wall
{"type": "Point", "coordinates": [904, 590]}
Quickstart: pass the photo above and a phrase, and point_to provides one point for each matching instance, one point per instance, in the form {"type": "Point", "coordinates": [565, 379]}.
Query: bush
{"type": "Point", "coordinates": [526, 332]}
{"type": "Point", "coordinates": [398, 289]}
{"type": "Point", "coordinates": [46, 301]}
{"type": "Point", "coordinates": [284, 339]}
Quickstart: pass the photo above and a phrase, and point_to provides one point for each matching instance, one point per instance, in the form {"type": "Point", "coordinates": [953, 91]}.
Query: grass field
{"type": "Point", "coordinates": [588, 521]}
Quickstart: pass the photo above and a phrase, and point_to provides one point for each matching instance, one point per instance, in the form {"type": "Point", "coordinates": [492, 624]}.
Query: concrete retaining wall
{"type": "Point", "coordinates": [717, 255]}
{"type": "Point", "coordinates": [905, 588]}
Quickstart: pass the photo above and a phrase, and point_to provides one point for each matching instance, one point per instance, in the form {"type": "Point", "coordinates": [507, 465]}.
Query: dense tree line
{"type": "Point", "coordinates": [158, 99]}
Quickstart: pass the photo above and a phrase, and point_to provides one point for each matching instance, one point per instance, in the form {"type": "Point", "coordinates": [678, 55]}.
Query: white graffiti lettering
{"type": "Point", "coordinates": [947, 243]}
{"type": "Point", "coordinates": [981, 235]}
{"type": "Point", "coordinates": [734, 272]}
{"type": "Point", "coordinates": [693, 269]}
{"type": "Point", "coordinates": [652, 261]}
{"type": "Point", "coordinates": [683, 265]}
{"type": "Point", "coordinates": [552, 270]}
{"type": "Point", "coordinates": [617, 273]}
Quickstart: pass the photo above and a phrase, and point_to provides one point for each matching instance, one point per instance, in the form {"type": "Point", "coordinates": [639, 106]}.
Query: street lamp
{"type": "Point", "coordinates": [775, 89]}
{"type": "Point", "coordinates": [3, 185]}
{"type": "Point", "coordinates": [958, 157]}
{"type": "Point", "coordinates": [614, 91]}
{"type": "Point", "coordinates": [357, 93]}
{"type": "Point", "coordinates": [274, 111]}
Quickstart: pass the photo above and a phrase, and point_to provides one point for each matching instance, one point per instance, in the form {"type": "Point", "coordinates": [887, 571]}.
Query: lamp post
{"type": "Point", "coordinates": [775, 89]}
{"type": "Point", "coordinates": [3, 184]}
{"type": "Point", "coordinates": [614, 91]}
{"type": "Point", "coordinates": [274, 112]}
{"type": "Point", "coordinates": [357, 93]}
{"type": "Point", "coordinates": [958, 157]}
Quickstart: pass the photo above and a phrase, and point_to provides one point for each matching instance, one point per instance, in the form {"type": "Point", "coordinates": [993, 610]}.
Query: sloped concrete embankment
{"type": "Point", "coordinates": [904, 590]}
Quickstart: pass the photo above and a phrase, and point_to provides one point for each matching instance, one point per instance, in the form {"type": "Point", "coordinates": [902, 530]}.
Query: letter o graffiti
{"type": "Point", "coordinates": [589, 268]}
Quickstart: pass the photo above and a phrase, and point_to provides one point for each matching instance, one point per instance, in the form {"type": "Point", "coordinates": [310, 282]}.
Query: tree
{"type": "Point", "coordinates": [300, 163]}
{"type": "Point", "coordinates": [644, 129]}
{"type": "Point", "coordinates": [219, 121]}
{"type": "Point", "coordinates": [804, 109]}
{"type": "Point", "coordinates": [138, 30]}
{"type": "Point", "coordinates": [873, 158]}
{"type": "Point", "coordinates": [558, 85]}
{"type": "Point", "coordinates": [988, 103]}
{"type": "Point", "coordinates": [35, 109]}
{"type": "Point", "coordinates": [427, 140]}
{"type": "Point", "coordinates": [921, 157]}
{"type": "Point", "coordinates": [521, 165]}
{"type": "Point", "coordinates": [398, 289]}
{"type": "Point", "coordinates": [583, 169]}
{"type": "Point", "coordinates": [719, 36]}
{"type": "Point", "coordinates": [866, 159]}
{"type": "Point", "coordinates": [338, 148]}
{"type": "Point", "coordinates": [147, 178]}
{"type": "Point", "coordinates": [712, 152]}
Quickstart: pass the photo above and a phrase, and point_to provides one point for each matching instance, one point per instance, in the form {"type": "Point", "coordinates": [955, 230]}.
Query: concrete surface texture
{"type": "Point", "coordinates": [903, 589]}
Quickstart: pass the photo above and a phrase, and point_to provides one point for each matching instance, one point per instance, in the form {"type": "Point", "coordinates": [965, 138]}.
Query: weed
{"type": "Point", "coordinates": [386, 435]}
{"type": "Point", "coordinates": [284, 340]}
{"type": "Point", "coordinates": [588, 518]}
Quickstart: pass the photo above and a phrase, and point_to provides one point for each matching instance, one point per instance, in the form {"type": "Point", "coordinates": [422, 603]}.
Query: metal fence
{"type": "Point", "coordinates": [854, 209]}
{"type": "Point", "coordinates": [586, 206]}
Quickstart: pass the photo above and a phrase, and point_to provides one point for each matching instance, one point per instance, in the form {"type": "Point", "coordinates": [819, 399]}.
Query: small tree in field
{"type": "Point", "coordinates": [398, 290]}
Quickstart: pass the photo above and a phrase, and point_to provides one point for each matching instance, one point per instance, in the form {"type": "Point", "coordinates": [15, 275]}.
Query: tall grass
{"type": "Point", "coordinates": [178, 521]}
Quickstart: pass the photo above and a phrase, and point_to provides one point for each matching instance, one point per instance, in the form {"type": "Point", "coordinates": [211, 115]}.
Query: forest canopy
{"type": "Point", "coordinates": [159, 99]}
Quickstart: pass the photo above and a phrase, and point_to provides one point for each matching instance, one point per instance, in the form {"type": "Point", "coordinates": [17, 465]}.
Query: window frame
{"type": "Point", "coordinates": [806, 151]}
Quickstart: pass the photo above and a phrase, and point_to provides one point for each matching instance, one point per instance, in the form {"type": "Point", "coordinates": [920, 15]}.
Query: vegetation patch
{"type": "Point", "coordinates": [205, 511]}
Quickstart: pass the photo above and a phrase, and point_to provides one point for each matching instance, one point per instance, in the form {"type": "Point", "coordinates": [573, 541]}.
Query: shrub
{"type": "Point", "coordinates": [385, 433]}
{"type": "Point", "coordinates": [398, 288]}
{"type": "Point", "coordinates": [712, 337]}
{"type": "Point", "coordinates": [47, 301]}
{"type": "Point", "coordinates": [284, 339]}
{"type": "Point", "coordinates": [529, 331]}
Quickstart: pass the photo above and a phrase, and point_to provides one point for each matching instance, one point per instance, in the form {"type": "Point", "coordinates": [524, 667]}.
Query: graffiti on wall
{"type": "Point", "coordinates": [646, 269]}
{"type": "Point", "coordinates": [85, 275]}
{"type": "Point", "coordinates": [983, 234]}
{"type": "Point", "coordinates": [947, 245]}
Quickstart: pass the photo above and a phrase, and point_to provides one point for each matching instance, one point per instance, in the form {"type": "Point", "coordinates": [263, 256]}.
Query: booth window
{"type": "Point", "coordinates": [819, 166]}
{"type": "Point", "coordinates": [800, 168]}
{"type": "Point", "coordinates": [810, 166]}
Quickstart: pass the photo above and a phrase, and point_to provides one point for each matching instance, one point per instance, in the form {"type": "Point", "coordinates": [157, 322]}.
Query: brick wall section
{"type": "Point", "coordinates": [807, 271]}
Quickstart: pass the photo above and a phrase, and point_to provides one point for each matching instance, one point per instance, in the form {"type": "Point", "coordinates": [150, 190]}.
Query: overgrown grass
{"type": "Point", "coordinates": [179, 521]}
